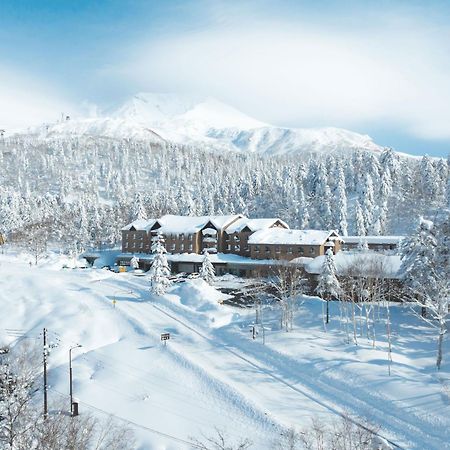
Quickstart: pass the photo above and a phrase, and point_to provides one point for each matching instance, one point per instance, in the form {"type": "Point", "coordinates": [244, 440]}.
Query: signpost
{"type": "Point", "coordinates": [165, 337]}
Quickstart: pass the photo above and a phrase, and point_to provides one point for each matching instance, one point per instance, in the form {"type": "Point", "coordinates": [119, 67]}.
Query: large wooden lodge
{"type": "Point", "coordinates": [237, 244]}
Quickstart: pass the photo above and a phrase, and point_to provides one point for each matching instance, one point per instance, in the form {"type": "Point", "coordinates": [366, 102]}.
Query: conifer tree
{"type": "Point", "coordinates": [207, 271]}
{"type": "Point", "coordinates": [340, 201]}
{"type": "Point", "coordinates": [159, 272]}
{"type": "Point", "coordinates": [134, 262]}
{"type": "Point", "coordinates": [138, 207]}
{"type": "Point", "coordinates": [359, 220]}
{"type": "Point", "coordinates": [328, 286]}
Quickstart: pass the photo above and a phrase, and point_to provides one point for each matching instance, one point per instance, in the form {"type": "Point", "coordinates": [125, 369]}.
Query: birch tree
{"type": "Point", "coordinates": [287, 284]}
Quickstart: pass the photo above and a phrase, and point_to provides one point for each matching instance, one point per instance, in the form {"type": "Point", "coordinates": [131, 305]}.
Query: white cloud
{"type": "Point", "coordinates": [392, 72]}
{"type": "Point", "coordinates": [26, 102]}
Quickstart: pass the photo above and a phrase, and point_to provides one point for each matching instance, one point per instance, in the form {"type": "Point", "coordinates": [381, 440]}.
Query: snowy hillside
{"type": "Point", "coordinates": [211, 373]}
{"type": "Point", "coordinates": [187, 119]}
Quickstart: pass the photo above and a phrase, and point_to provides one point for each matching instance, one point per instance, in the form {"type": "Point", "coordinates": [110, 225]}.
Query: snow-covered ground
{"type": "Point", "coordinates": [211, 373]}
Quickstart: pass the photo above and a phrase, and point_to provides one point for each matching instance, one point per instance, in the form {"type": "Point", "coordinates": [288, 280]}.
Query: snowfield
{"type": "Point", "coordinates": [211, 373]}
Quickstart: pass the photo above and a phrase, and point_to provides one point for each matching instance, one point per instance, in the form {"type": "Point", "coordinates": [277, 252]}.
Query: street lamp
{"type": "Point", "coordinates": [70, 375]}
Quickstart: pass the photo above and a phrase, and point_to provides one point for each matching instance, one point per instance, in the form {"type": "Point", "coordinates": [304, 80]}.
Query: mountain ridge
{"type": "Point", "coordinates": [207, 122]}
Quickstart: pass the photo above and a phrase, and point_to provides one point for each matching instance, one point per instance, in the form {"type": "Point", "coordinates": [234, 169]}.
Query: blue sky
{"type": "Point", "coordinates": [381, 68]}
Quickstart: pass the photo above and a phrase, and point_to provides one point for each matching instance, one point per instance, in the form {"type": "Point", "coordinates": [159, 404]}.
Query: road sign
{"type": "Point", "coordinates": [165, 336]}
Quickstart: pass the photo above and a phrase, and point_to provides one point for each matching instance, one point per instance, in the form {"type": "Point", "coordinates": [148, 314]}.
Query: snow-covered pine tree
{"type": "Point", "coordinates": [303, 213]}
{"type": "Point", "coordinates": [426, 271]}
{"type": "Point", "coordinates": [328, 286]}
{"type": "Point", "coordinates": [207, 271]}
{"type": "Point", "coordinates": [138, 207]}
{"type": "Point", "coordinates": [159, 272]}
{"type": "Point", "coordinates": [363, 247]}
{"type": "Point", "coordinates": [360, 227]}
{"type": "Point", "coordinates": [428, 179]}
{"type": "Point", "coordinates": [368, 202]}
{"type": "Point", "coordinates": [418, 255]}
{"type": "Point", "coordinates": [340, 201]}
{"type": "Point", "coordinates": [134, 262]}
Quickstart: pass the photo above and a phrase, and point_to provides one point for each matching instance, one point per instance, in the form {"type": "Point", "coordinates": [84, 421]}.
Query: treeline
{"type": "Point", "coordinates": [81, 190]}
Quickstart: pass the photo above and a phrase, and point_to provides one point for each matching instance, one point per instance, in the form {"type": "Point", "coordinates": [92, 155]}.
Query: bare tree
{"type": "Point", "coordinates": [17, 382]}
{"type": "Point", "coordinates": [23, 426]}
{"type": "Point", "coordinates": [33, 238]}
{"type": "Point", "coordinates": [286, 284]}
{"type": "Point", "coordinates": [84, 432]}
{"type": "Point", "coordinates": [343, 434]}
{"type": "Point", "coordinates": [220, 442]}
{"type": "Point", "coordinates": [437, 302]}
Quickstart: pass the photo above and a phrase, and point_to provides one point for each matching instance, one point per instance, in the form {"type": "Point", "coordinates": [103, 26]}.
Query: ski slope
{"type": "Point", "coordinates": [211, 373]}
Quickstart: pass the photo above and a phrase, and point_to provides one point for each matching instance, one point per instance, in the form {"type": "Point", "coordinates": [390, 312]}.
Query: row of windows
{"type": "Point", "coordinates": [171, 247]}
{"type": "Point", "coordinates": [182, 236]}
{"type": "Point", "coordinates": [290, 250]}
{"type": "Point", "coordinates": [139, 245]}
{"type": "Point", "coordinates": [183, 247]}
{"type": "Point", "coordinates": [237, 248]}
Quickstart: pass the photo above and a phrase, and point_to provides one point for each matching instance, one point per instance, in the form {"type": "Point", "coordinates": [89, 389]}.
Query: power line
{"type": "Point", "coordinates": [151, 430]}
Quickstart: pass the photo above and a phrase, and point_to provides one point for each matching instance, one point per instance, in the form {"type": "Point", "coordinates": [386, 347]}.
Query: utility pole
{"type": "Point", "coordinates": [45, 374]}
{"type": "Point", "coordinates": [70, 378]}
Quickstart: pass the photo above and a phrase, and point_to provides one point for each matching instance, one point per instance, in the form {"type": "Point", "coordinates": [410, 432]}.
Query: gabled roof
{"type": "Point", "coordinates": [171, 224]}
{"type": "Point", "coordinates": [140, 225]}
{"type": "Point", "coordinates": [282, 236]}
{"type": "Point", "coordinates": [253, 224]}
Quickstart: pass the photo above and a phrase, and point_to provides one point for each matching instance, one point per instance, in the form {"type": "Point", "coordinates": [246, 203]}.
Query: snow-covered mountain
{"type": "Point", "coordinates": [193, 120]}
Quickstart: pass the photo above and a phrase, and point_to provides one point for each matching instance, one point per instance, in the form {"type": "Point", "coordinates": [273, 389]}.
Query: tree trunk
{"type": "Point", "coordinates": [440, 341]}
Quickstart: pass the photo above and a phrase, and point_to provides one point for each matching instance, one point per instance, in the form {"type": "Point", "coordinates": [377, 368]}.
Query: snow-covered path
{"type": "Point", "coordinates": [275, 375]}
{"type": "Point", "coordinates": [211, 373]}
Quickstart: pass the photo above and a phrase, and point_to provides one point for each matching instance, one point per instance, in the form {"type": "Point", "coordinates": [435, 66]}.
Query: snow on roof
{"type": "Point", "coordinates": [290, 237]}
{"type": "Point", "coordinates": [171, 224]}
{"type": "Point", "coordinates": [373, 239]}
{"type": "Point", "coordinates": [140, 224]}
{"type": "Point", "coordinates": [365, 262]}
{"type": "Point", "coordinates": [253, 224]}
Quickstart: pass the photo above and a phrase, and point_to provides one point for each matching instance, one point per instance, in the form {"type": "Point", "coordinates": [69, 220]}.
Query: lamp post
{"type": "Point", "coordinates": [70, 375]}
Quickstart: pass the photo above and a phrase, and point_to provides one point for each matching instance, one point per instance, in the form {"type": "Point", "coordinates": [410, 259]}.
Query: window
{"type": "Point", "coordinates": [289, 250]}
{"type": "Point", "coordinates": [141, 245]}
{"type": "Point", "coordinates": [190, 247]}
{"type": "Point", "coordinates": [301, 250]}
{"type": "Point", "coordinates": [182, 236]}
{"type": "Point", "coordinates": [190, 236]}
{"type": "Point", "coordinates": [246, 248]}
{"type": "Point", "coordinates": [257, 248]}
{"type": "Point", "coordinates": [182, 247]}
{"type": "Point", "coordinates": [312, 250]}
{"type": "Point", "coordinates": [228, 247]}
{"type": "Point", "coordinates": [134, 235]}
{"type": "Point", "coordinates": [267, 249]}
{"type": "Point", "coordinates": [172, 246]}
{"type": "Point", "coordinates": [277, 249]}
{"type": "Point", "coordinates": [126, 244]}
